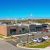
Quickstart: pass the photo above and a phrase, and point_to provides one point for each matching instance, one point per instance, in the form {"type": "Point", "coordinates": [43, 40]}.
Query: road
{"type": "Point", "coordinates": [7, 46]}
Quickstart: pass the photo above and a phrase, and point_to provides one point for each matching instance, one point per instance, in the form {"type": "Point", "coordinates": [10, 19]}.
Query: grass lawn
{"type": "Point", "coordinates": [38, 45]}
{"type": "Point", "coordinates": [1, 36]}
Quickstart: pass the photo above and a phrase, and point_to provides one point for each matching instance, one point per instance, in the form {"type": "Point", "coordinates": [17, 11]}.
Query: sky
{"type": "Point", "coordinates": [19, 9]}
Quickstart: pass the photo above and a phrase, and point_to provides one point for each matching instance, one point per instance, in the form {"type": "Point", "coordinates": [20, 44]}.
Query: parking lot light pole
{"type": "Point", "coordinates": [28, 34]}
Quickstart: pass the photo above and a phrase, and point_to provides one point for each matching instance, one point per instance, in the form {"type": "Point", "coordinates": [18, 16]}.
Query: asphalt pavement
{"type": "Point", "coordinates": [7, 46]}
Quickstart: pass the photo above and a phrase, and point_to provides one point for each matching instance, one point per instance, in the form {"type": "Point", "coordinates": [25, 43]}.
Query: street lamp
{"type": "Point", "coordinates": [29, 36]}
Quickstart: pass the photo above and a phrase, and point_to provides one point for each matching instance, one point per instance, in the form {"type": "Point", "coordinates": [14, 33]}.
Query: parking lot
{"type": "Point", "coordinates": [7, 46]}
{"type": "Point", "coordinates": [11, 45]}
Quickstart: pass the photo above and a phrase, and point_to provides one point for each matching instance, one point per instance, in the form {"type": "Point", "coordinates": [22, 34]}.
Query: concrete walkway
{"type": "Point", "coordinates": [47, 48]}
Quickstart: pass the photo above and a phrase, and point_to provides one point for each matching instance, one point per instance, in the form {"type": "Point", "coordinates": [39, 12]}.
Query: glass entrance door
{"type": "Point", "coordinates": [13, 31]}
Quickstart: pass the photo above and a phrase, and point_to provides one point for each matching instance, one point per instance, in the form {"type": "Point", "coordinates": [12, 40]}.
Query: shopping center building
{"type": "Point", "coordinates": [15, 29]}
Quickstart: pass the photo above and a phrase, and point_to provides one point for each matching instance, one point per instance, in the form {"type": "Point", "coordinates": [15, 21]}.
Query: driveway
{"type": "Point", "coordinates": [7, 46]}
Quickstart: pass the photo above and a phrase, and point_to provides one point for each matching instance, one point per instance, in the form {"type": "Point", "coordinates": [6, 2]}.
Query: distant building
{"type": "Point", "coordinates": [7, 21]}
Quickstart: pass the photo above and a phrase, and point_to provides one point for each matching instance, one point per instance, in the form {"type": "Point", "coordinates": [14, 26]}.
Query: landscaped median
{"type": "Point", "coordinates": [1, 37]}
{"type": "Point", "coordinates": [19, 45]}
{"type": "Point", "coordinates": [34, 45]}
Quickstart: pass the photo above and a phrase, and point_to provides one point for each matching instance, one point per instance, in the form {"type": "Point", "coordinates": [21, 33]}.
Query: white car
{"type": "Point", "coordinates": [35, 40]}
{"type": "Point", "coordinates": [45, 37]}
{"type": "Point", "coordinates": [38, 40]}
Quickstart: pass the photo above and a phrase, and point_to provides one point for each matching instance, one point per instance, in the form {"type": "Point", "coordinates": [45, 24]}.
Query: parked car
{"type": "Point", "coordinates": [45, 37]}
{"type": "Point", "coordinates": [34, 40]}
{"type": "Point", "coordinates": [38, 40]}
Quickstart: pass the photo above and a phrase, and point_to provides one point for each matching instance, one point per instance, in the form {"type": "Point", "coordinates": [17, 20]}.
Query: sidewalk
{"type": "Point", "coordinates": [47, 48]}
